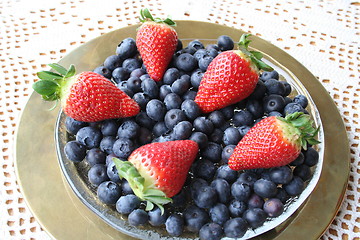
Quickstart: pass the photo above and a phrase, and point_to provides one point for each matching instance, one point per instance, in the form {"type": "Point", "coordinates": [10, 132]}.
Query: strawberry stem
{"type": "Point", "coordinates": [145, 15]}
{"type": "Point", "coordinates": [145, 191]}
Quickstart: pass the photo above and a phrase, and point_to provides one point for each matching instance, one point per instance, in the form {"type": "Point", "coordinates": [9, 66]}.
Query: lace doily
{"type": "Point", "coordinates": [323, 35]}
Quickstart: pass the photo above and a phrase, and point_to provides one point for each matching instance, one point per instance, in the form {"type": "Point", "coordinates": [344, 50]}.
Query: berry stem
{"type": "Point", "coordinates": [145, 15]}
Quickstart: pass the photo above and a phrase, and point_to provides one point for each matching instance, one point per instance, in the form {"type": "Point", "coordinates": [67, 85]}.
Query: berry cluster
{"type": "Point", "coordinates": [215, 201]}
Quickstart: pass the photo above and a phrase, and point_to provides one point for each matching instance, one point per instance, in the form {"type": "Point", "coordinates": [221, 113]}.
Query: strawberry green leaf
{"type": "Point", "coordinates": [70, 72]}
{"type": "Point", "coordinates": [45, 87]}
{"type": "Point", "coordinates": [47, 75]}
{"type": "Point", "coordinates": [257, 55]}
{"type": "Point", "coordinates": [145, 15]}
{"type": "Point", "coordinates": [57, 67]}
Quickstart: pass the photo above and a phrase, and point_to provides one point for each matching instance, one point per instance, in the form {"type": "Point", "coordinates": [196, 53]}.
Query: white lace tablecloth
{"type": "Point", "coordinates": [323, 35]}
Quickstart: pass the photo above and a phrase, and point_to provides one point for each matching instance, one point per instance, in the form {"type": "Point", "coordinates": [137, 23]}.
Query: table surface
{"type": "Point", "coordinates": [323, 35]}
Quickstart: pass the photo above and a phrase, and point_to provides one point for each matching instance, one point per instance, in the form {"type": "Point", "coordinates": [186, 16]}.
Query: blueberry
{"type": "Point", "coordinates": [123, 147]}
{"type": "Point", "coordinates": [179, 45]}
{"type": "Point", "coordinates": [255, 217]}
{"type": "Point", "coordinates": [156, 110]}
{"type": "Point", "coordinates": [125, 187]}
{"type": "Point", "coordinates": [126, 48]}
{"type": "Point", "coordinates": [274, 86]}
{"type": "Point", "coordinates": [74, 151]}
{"type": "Point", "coordinates": [205, 62]}
{"type": "Point", "coordinates": [219, 213]}
{"type": "Point", "coordinates": [259, 91]}
{"type": "Point", "coordinates": [164, 91]}
{"type": "Point", "coordinates": [303, 171]}
{"type": "Point", "coordinates": [109, 159]}
{"type": "Point", "coordinates": [97, 174]}
{"type": "Point", "coordinates": [174, 225]}
{"type": "Point", "coordinates": [134, 84]}
{"type": "Point", "coordinates": [95, 156]}
{"type": "Point", "coordinates": [200, 53]}
{"type": "Point", "coordinates": [189, 95]}
{"type": "Point", "coordinates": [156, 218]}
{"type": "Point", "coordinates": [204, 169]}
{"type": "Point", "coordinates": [248, 177]}
{"type": "Point", "coordinates": [226, 153]}
{"type": "Point", "coordinates": [282, 195]}
{"type": "Point", "coordinates": [128, 203]}
{"type": "Point", "coordinates": [299, 160]}
{"type": "Point", "coordinates": [141, 99]}
{"type": "Point", "coordinates": [255, 201]}
{"type": "Point", "coordinates": [171, 75]}
{"type": "Point", "coordinates": [120, 74]}
{"type": "Point", "coordinates": [126, 91]}
{"type": "Point", "coordinates": [212, 152]}
{"type": "Point", "coordinates": [275, 114]}
{"type": "Point", "coordinates": [128, 129]}
{"type": "Point", "coordinates": [311, 157]}
{"type": "Point", "coordinates": [112, 172]}
{"type": "Point", "coordinates": [212, 52]}
{"type": "Point", "coordinates": [145, 136]}
{"type": "Point", "coordinates": [273, 207]}
{"type": "Point", "coordinates": [273, 102]}
{"type": "Point", "coordinates": [109, 192]}
{"type": "Point", "coordinates": [231, 136]}
{"type": "Point", "coordinates": [292, 108]}
{"type": "Point", "coordinates": [195, 218]}
{"type": "Point", "coordinates": [216, 136]}
{"type": "Point", "coordinates": [206, 197]}
{"type": "Point", "coordinates": [173, 117]}
{"type": "Point", "coordinates": [222, 188]}
{"type": "Point", "coordinates": [138, 73]}
{"type": "Point", "coordinates": [265, 188]}
{"type": "Point", "coordinates": [196, 77]}
{"type": "Point", "coordinates": [211, 231]}
{"type": "Point", "coordinates": [217, 118]}
{"type": "Point", "coordinates": [196, 184]}
{"type": "Point", "coordinates": [150, 88]}
{"type": "Point", "coordinates": [295, 186]}
{"type": "Point", "coordinates": [160, 129]}
{"type": "Point", "coordinates": [203, 125]}
{"type": "Point", "coordinates": [237, 208]}
{"type": "Point", "coordinates": [89, 137]}
{"type": "Point", "coordinates": [200, 138]}
{"type": "Point", "coordinates": [196, 44]}
{"type": "Point", "coordinates": [180, 86]}
{"type": "Point", "coordinates": [172, 101]}
{"type": "Point", "coordinates": [106, 144]}
{"type": "Point", "coordinates": [179, 200]}
{"type": "Point", "coordinates": [138, 217]}
{"type": "Point", "coordinates": [243, 117]}
{"type": "Point", "coordinates": [166, 138]}
{"type": "Point", "coordinates": [225, 43]}
{"type": "Point", "coordinates": [212, 46]}
{"type": "Point", "coordinates": [226, 173]}
{"type": "Point", "coordinates": [235, 228]}
{"type": "Point", "coordinates": [191, 109]}
{"type": "Point", "coordinates": [182, 130]}
{"type": "Point", "coordinates": [281, 175]}
{"type": "Point", "coordinates": [288, 88]}
{"type": "Point", "coordinates": [131, 64]}
{"type": "Point", "coordinates": [228, 112]}
{"type": "Point", "coordinates": [255, 108]}
{"type": "Point", "coordinates": [103, 71]}
{"type": "Point", "coordinates": [109, 127]}
{"type": "Point", "coordinates": [269, 75]}
{"type": "Point", "coordinates": [186, 62]}
{"type": "Point", "coordinates": [112, 62]}
{"type": "Point", "coordinates": [240, 191]}
{"type": "Point", "coordinates": [73, 126]}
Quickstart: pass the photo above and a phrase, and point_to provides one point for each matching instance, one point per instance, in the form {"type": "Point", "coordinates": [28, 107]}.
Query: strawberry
{"type": "Point", "coordinates": [157, 171]}
{"type": "Point", "coordinates": [87, 97]}
{"type": "Point", "coordinates": [274, 142]}
{"type": "Point", "coordinates": [156, 41]}
{"type": "Point", "coordinates": [230, 77]}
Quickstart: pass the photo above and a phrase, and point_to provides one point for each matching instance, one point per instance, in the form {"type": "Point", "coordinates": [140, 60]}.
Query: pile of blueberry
{"type": "Point", "coordinates": [215, 201]}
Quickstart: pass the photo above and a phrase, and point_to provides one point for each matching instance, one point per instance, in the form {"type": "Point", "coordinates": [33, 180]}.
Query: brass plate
{"type": "Point", "coordinates": [64, 216]}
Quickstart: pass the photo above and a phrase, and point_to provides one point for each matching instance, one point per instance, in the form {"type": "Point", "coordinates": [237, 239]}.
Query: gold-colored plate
{"type": "Point", "coordinates": [64, 216]}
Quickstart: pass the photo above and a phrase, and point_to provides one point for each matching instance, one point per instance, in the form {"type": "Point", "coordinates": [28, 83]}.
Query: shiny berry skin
{"type": "Point", "coordinates": [112, 172]}
{"type": "Point", "coordinates": [97, 174]}
{"type": "Point", "coordinates": [219, 213]}
{"type": "Point", "coordinates": [171, 75]}
{"type": "Point", "coordinates": [95, 156]}
{"type": "Point", "coordinates": [126, 48]}
{"type": "Point", "coordinates": [123, 147]}
{"type": "Point", "coordinates": [127, 204]}
{"type": "Point", "coordinates": [138, 217]}
{"type": "Point", "coordinates": [295, 186]}
{"type": "Point", "coordinates": [212, 152]}
{"type": "Point", "coordinates": [205, 197]}
{"type": "Point", "coordinates": [226, 173]}
{"type": "Point", "coordinates": [195, 218]}
{"type": "Point", "coordinates": [240, 191]}
{"type": "Point", "coordinates": [156, 110]}
{"type": "Point", "coordinates": [89, 137]}
{"type": "Point", "coordinates": [182, 130]}
{"type": "Point", "coordinates": [75, 151]}
{"type": "Point", "coordinates": [269, 75]}
{"type": "Point", "coordinates": [222, 188]}
{"type": "Point", "coordinates": [303, 171]}
{"type": "Point", "coordinates": [235, 227]}
{"type": "Point", "coordinates": [175, 225]}
{"type": "Point", "coordinates": [173, 117]}
{"type": "Point", "coordinates": [255, 201]}
{"type": "Point", "coordinates": [265, 188]}
{"type": "Point", "coordinates": [106, 144]}
{"type": "Point", "coordinates": [103, 71]}
{"type": "Point", "coordinates": [172, 101]}
{"type": "Point", "coordinates": [180, 86]}
{"type": "Point", "coordinates": [273, 102]}
{"type": "Point", "coordinates": [225, 43]}
{"type": "Point", "coordinates": [128, 129]}
{"type": "Point", "coordinates": [211, 231]}
{"type": "Point", "coordinates": [281, 175]}
{"type": "Point", "coordinates": [108, 192]}
{"type": "Point", "coordinates": [237, 208]}
{"type": "Point", "coordinates": [226, 153]}
{"type": "Point", "coordinates": [150, 88]}
{"type": "Point", "coordinates": [73, 126]}
{"type": "Point", "coordinates": [112, 62]}
{"type": "Point", "coordinates": [243, 117]}
{"type": "Point", "coordinates": [196, 77]}
{"type": "Point", "coordinates": [255, 217]}
{"type": "Point", "coordinates": [231, 136]}
{"type": "Point", "coordinates": [156, 218]}
{"type": "Point", "coordinates": [311, 157]}
{"type": "Point", "coordinates": [302, 100]}
{"type": "Point", "coordinates": [204, 125]}
{"type": "Point", "coordinates": [191, 109]}
{"type": "Point", "coordinates": [273, 207]}
{"type": "Point", "coordinates": [186, 62]}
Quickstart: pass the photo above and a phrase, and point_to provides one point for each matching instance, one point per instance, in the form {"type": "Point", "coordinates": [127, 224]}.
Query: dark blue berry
{"type": "Point", "coordinates": [189, 95]}
{"type": "Point", "coordinates": [255, 201]}
{"type": "Point", "coordinates": [200, 54]}
{"type": "Point", "coordinates": [273, 102]}
{"type": "Point", "coordinates": [156, 218]}
{"type": "Point", "coordinates": [216, 136]}
{"type": "Point", "coordinates": [134, 84]}
{"type": "Point", "coordinates": [273, 207]}
{"type": "Point", "coordinates": [231, 136]}
{"type": "Point", "coordinates": [299, 160]}
{"type": "Point", "coordinates": [74, 151]}
{"type": "Point", "coordinates": [219, 213]}
{"type": "Point", "coordinates": [97, 174]}
{"type": "Point", "coordinates": [235, 227]}
{"type": "Point", "coordinates": [269, 75]}
{"type": "Point", "coordinates": [217, 118]}
{"type": "Point", "coordinates": [255, 108]}
{"type": "Point", "coordinates": [259, 91]}
{"type": "Point", "coordinates": [126, 48]}
{"type": "Point", "coordinates": [156, 110]}
{"type": "Point", "coordinates": [225, 43]}
{"type": "Point", "coordinates": [73, 126]}
{"type": "Point", "coordinates": [248, 177]}
{"type": "Point", "coordinates": [173, 117]}
{"type": "Point", "coordinates": [265, 188]}
{"type": "Point", "coordinates": [195, 218]}
{"type": "Point", "coordinates": [179, 200]}
{"type": "Point", "coordinates": [174, 225]}
{"type": "Point", "coordinates": [240, 191]}
{"type": "Point", "coordinates": [292, 108]}
{"type": "Point", "coordinates": [172, 101]}
{"type": "Point", "coordinates": [275, 114]}
{"type": "Point", "coordinates": [128, 203]}
{"type": "Point", "coordinates": [226, 173]}
{"type": "Point", "coordinates": [95, 156]}
{"type": "Point", "coordinates": [302, 100]}
{"type": "Point", "coordinates": [212, 152]}
{"type": "Point", "coordinates": [179, 45]}
{"type": "Point", "coordinates": [196, 44]}
{"type": "Point", "coordinates": [204, 169]}
{"type": "Point", "coordinates": [196, 184]}
{"type": "Point", "coordinates": [282, 195]}
{"type": "Point", "coordinates": [120, 74]}
{"type": "Point", "coordinates": [123, 147]}
{"type": "Point", "coordinates": [295, 186]}
{"type": "Point", "coordinates": [243, 117]}
{"type": "Point", "coordinates": [109, 159]}
{"type": "Point", "coordinates": [212, 46]}
{"type": "Point", "coordinates": [139, 72]}
{"type": "Point", "coordinates": [288, 88]}
{"type": "Point", "coordinates": [222, 188]}
{"type": "Point", "coordinates": [112, 62]}
{"type": "Point", "coordinates": [196, 77]}
{"type": "Point", "coordinates": [106, 144]}
{"type": "Point", "coordinates": [125, 187]}
{"type": "Point", "coordinates": [138, 217]}
{"type": "Point", "coordinates": [206, 197]}
{"type": "Point", "coordinates": [109, 127]}
{"type": "Point", "coordinates": [182, 130]}
{"type": "Point", "coordinates": [141, 99]}
{"type": "Point", "coordinates": [186, 62]}
{"type": "Point", "coordinates": [164, 138]}
{"type": "Point", "coordinates": [203, 125]}
{"type": "Point", "coordinates": [281, 175]}
{"type": "Point", "coordinates": [109, 192]}
{"type": "Point", "coordinates": [200, 138]}
{"type": "Point", "coordinates": [160, 129]}
{"type": "Point", "coordinates": [112, 172]}
{"type": "Point", "coordinates": [191, 109]}
{"type": "Point", "coordinates": [131, 64]}
{"type": "Point", "coordinates": [226, 153]}
{"type": "Point", "coordinates": [144, 76]}
{"type": "Point", "coordinates": [213, 52]}
{"type": "Point", "coordinates": [180, 86]}
{"type": "Point", "coordinates": [164, 91]}
{"type": "Point", "coordinates": [205, 62]}
{"type": "Point", "coordinates": [145, 136]}
{"type": "Point", "coordinates": [211, 231]}
{"type": "Point", "coordinates": [243, 130]}
{"type": "Point", "coordinates": [128, 129]}
{"type": "Point", "coordinates": [255, 217]}
{"type": "Point", "coordinates": [103, 71]}
{"type": "Point", "coordinates": [237, 208]}
{"type": "Point", "coordinates": [228, 112]}
{"type": "Point", "coordinates": [311, 157]}
{"type": "Point", "coordinates": [303, 171]}
{"type": "Point", "coordinates": [89, 137]}
{"type": "Point", "coordinates": [150, 88]}
{"type": "Point", "coordinates": [171, 75]}
{"type": "Point", "coordinates": [127, 91]}
{"type": "Point", "coordinates": [274, 86]}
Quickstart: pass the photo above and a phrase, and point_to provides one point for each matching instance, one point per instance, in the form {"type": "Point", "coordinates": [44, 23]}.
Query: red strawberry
{"type": "Point", "coordinates": [230, 77]}
{"type": "Point", "coordinates": [157, 171]}
{"type": "Point", "coordinates": [87, 97]}
{"type": "Point", "coordinates": [156, 41]}
{"type": "Point", "coordinates": [274, 142]}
